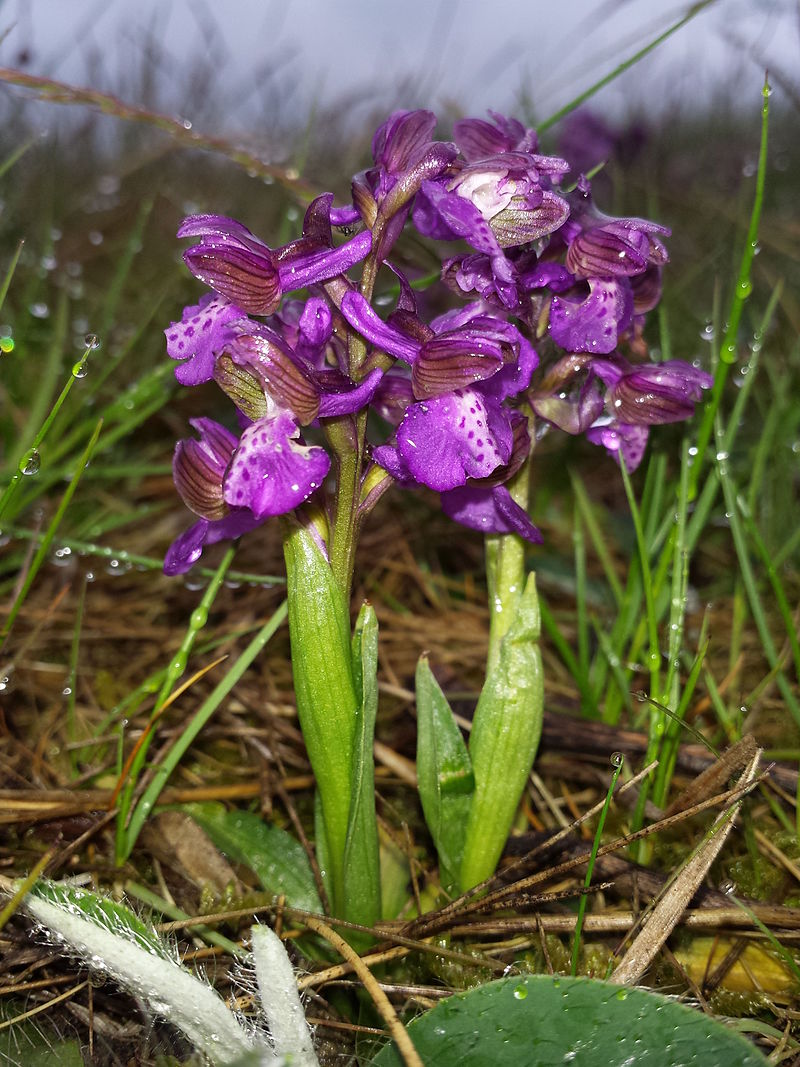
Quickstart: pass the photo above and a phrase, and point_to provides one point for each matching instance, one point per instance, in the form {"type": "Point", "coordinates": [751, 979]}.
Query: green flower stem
{"type": "Point", "coordinates": [346, 437]}
{"type": "Point", "coordinates": [505, 571]}
{"type": "Point", "coordinates": [327, 706]}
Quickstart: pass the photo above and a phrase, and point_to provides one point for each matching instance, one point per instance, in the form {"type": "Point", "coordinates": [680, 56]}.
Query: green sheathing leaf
{"type": "Point", "coordinates": [444, 773]}
{"type": "Point", "coordinates": [272, 854]}
{"type": "Point", "coordinates": [504, 739]}
{"type": "Point", "coordinates": [538, 1020]}
{"type": "Point", "coordinates": [319, 627]}
{"type": "Point", "coordinates": [362, 886]}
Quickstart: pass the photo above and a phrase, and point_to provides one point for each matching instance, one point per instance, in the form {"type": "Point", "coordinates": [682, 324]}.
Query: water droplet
{"type": "Point", "coordinates": [39, 310]}
{"type": "Point", "coordinates": [79, 369]}
{"type": "Point", "coordinates": [744, 289]}
{"type": "Point", "coordinates": [66, 691]}
{"type": "Point", "coordinates": [707, 333]}
{"type": "Point", "coordinates": [617, 759]}
{"type": "Point", "coordinates": [187, 124]}
{"type": "Point", "coordinates": [198, 618]}
{"type": "Point", "coordinates": [95, 237]}
{"type": "Point", "coordinates": [4, 683]}
{"type": "Point", "coordinates": [91, 340]}
{"type": "Point", "coordinates": [30, 462]}
{"type": "Point", "coordinates": [722, 456]}
{"type": "Point", "coordinates": [621, 994]}
{"type": "Point", "coordinates": [6, 344]}
{"type": "Point", "coordinates": [520, 992]}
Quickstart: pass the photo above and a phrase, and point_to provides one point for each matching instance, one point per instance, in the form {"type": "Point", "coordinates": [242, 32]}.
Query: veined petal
{"type": "Point", "coordinates": [272, 470]}
{"type": "Point", "coordinates": [489, 511]}
{"type": "Point", "coordinates": [198, 468]}
{"type": "Point", "coordinates": [282, 378]}
{"type": "Point", "coordinates": [247, 277]}
{"type": "Point", "coordinates": [203, 332]}
{"type": "Point", "coordinates": [243, 388]}
{"type": "Point", "coordinates": [454, 360]}
{"type": "Point", "coordinates": [445, 440]}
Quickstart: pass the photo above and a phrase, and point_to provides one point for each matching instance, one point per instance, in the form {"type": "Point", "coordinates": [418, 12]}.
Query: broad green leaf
{"type": "Point", "coordinates": [319, 627]}
{"type": "Point", "coordinates": [444, 774]}
{"type": "Point", "coordinates": [272, 854]}
{"type": "Point", "coordinates": [539, 1021]}
{"type": "Point", "coordinates": [505, 735]}
{"type": "Point", "coordinates": [362, 887]}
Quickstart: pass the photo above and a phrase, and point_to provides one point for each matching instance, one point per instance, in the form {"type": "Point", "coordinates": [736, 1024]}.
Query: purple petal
{"type": "Point", "coordinates": [489, 511]}
{"type": "Point", "coordinates": [248, 278]}
{"type": "Point", "coordinates": [370, 325]}
{"type": "Point", "coordinates": [198, 468]}
{"type": "Point", "coordinates": [592, 324]}
{"type": "Point", "coordinates": [302, 270]}
{"type": "Point", "coordinates": [187, 549]}
{"type": "Point", "coordinates": [450, 438]}
{"type": "Point", "coordinates": [200, 336]}
{"type": "Point", "coordinates": [478, 138]}
{"type": "Point", "coordinates": [388, 457]}
{"type": "Point", "coordinates": [659, 393]}
{"type": "Point", "coordinates": [393, 396]}
{"type": "Point", "coordinates": [621, 439]}
{"type": "Point", "coordinates": [272, 470]}
{"type": "Point", "coordinates": [341, 397]}
{"type": "Point", "coordinates": [398, 141]}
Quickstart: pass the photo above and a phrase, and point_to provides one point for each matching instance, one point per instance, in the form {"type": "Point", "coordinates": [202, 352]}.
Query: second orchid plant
{"type": "Point", "coordinates": [336, 403]}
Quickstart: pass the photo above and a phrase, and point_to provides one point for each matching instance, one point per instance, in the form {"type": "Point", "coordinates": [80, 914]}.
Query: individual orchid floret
{"type": "Point", "coordinates": [651, 393]}
{"type": "Point", "coordinates": [601, 246]}
{"type": "Point", "coordinates": [293, 380]}
{"type": "Point", "coordinates": [240, 267]}
{"type": "Point", "coordinates": [202, 334]}
{"type": "Point", "coordinates": [460, 348]}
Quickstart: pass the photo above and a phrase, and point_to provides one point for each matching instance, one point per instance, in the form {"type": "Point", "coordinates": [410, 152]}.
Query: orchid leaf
{"type": "Point", "coordinates": [444, 773]}
{"type": "Point", "coordinates": [361, 860]}
{"type": "Point", "coordinates": [278, 860]}
{"type": "Point", "coordinates": [505, 736]}
{"type": "Point", "coordinates": [539, 1019]}
{"type": "Point", "coordinates": [319, 627]}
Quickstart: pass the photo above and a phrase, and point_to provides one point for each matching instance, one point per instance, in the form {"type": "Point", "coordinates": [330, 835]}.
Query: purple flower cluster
{"type": "Point", "coordinates": [452, 396]}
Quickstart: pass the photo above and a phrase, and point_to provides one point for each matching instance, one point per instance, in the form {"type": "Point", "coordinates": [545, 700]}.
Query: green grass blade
{"type": "Point", "coordinates": [47, 540]}
{"type": "Point", "coordinates": [743, 288]}
{"type": "Point", "coordinates": [694, 10]}
{"type": "Point", "coordinates": [198, 721]}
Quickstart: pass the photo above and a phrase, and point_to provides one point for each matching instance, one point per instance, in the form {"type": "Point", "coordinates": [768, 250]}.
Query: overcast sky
{"type": "Point", "coordinates": [472, 54]}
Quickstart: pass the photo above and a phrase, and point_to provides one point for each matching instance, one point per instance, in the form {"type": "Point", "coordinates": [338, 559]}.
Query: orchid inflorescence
{"type": "Point", "coordinates": [454, 395]}
{"type": "Point", "coordinates": [336, 402]}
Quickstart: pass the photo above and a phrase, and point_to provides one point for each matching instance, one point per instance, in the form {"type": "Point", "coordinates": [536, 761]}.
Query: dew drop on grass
{"type": "Point", "coordinates": [79, 369]}
{"type": "Point", "coordinates": [92, 341]}
{"type": "Point", "coordinates": [617, 759]}
{"type": "Point", "coordinates": [30, 462]}
{"type": "Point", "coordinates": [199, 618]}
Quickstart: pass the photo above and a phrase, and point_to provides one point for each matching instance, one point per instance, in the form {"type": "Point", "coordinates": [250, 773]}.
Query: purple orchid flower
{"type": "Point", "coordinates": [235, 484]}
{"type": "Point", "coordinates": [651, 393]}
{"type": "Point", "coordinates": [461, 374]}
{"type": "Point", "coordinates": [240, 267]}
